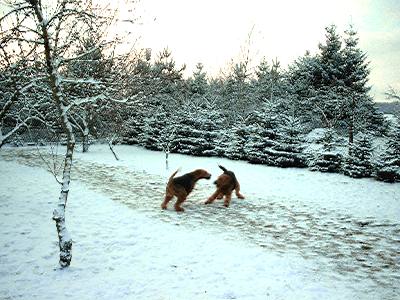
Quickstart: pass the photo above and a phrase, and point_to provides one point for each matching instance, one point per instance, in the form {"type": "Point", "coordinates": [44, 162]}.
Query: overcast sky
{"type": "Point", "coordinates": [213, 31]}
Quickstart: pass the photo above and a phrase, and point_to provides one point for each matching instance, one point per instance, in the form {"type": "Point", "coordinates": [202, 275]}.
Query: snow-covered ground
{"type": "Point", "coordinates": [297, 235]}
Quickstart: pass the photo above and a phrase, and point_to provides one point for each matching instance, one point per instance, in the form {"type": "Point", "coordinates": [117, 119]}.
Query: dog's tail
{"type": "Point", "coordinates": [223, 168]}
{"type": "Point", "coordinates": [173, 174]}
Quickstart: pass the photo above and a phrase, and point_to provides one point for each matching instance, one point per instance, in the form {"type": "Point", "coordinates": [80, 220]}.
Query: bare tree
{"type": "Point", "coordinates": [20, 78]}
{"type": "Point", "coordinates": [392, 93]}
{"type": "Point", "coordinates": [51, 32]}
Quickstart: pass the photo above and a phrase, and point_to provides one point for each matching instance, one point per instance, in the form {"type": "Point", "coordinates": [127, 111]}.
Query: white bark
{"type": "Point", "coordinates": [65, 241]}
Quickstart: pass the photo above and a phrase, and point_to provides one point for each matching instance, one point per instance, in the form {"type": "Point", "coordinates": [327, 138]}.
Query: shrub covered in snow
{"type": "Point", "coordinates": [388, 169]}
{"type": "Point", "coordinates": [358, 162]}
{"type": "Point", "coordinates": [327, 160]}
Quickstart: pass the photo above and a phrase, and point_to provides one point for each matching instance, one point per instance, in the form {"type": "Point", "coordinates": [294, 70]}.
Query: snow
{"type": "Point", "coordinates": [297, 235]}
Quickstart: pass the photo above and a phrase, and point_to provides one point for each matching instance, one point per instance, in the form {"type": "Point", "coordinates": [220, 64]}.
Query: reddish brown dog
{"type": "Point", "coordinates": [182, 186]}
{"type": "Point", "coordinates": [225, 183]}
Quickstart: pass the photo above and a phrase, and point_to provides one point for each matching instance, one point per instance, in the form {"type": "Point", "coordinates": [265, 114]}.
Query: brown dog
{"type": "Point", "coordinates": [225, 183]}
{"type": "Point", "coordinates": [182, 186]}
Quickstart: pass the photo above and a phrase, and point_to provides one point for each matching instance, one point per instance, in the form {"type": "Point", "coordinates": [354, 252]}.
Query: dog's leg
{"type": "Point", "coordinates": [181, 198]}
{"type": "Point", "coordinates": [166, 200]}
{"type": "Point", "coordinates": [178, 203]}
{"type": "Point", "coordinates": [220, 196]}
{"type": "Point", "coordinates": [237, 191]}
{"type": "Point", "coordinates": [227, 200]}
{"type": "Point", "coordinates": [213, 197]}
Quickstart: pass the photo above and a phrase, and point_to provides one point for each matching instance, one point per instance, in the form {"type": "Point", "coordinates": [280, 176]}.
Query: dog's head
{"type": "Point", "coordinates": [200, 174]}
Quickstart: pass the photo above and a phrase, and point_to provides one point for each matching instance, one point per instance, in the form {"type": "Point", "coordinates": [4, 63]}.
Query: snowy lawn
{"type": "Point", "coordinates": [297, 235]}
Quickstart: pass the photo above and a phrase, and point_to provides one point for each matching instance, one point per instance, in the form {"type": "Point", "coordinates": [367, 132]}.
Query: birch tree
{"type": "Point", "coordinates": [51, 30]}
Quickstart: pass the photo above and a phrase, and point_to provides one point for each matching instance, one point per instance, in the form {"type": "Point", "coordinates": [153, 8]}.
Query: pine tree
{"type": "Point", "coordinates": [330, 60]}
{"type": "Point", "coordinates": [236, 97]}
{"type": "Point", "coordinates": [389, 168]}
{"type": "Point", "coordinates": [358, 162]}
{"type": "Point", "coordinates": [355, 79]}
{"type": "Point", "coordinates": [236, 146]}
{"type": "Point", "coordinates": [198, 84]}
{"type": "Point", "coordinates": [327, 160]}
{"type": "Point", "coordinates": [268, 85]}
{"type": "Point", "coordinates": [133, 129]}
{"type": "Point", "coordinates": [198, 131]}
{"type": "Point", "coordinates": [261, 139]}
{"type": "Point", "coordinates": [289, 147]}
{"type": "Point", "coordinates": [151, 136]}
{"type": "Point", "coordinates": [301, 81]}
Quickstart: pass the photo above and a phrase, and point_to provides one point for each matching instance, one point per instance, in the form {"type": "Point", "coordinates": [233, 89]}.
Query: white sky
{"type": "Point", "coordinates": [213, 31]}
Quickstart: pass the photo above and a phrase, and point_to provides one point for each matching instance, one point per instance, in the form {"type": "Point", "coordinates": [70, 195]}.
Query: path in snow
{"type": "Point", "coordinates": [346, 247]}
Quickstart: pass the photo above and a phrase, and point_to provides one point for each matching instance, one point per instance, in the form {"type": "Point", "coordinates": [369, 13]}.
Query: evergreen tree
{"type": "Point", "coordinates": [268, 85]}
{"type": "Point", "coordinates": [237, 93]}
{"type": "Point", "coordinates": [358, 162]}
{"type": "Point", "coordinates": [389, 167]}
{"type": "Point", "coordinates": [329, 72]}
{"type": "Point", "coordinates": [198, 131]}
{"type": "Point", "coordinates": [133, 129]}
{"type": "Point", "coordinates": [301, 81]}
{"type": "Point", "coordinates": [261, 139]}
{"type": "Point", "coordinates": [154, 126]}
{"type": "Point", "coordinates": [327, 160]}
{"type": "Point", "coordinates": [289, 146]}
{"type": "Point", "coordinates": [198, 84]}
{"type": "Point", "coordinates": [236, 146]}
{"type": "Point", "coordinates": [355, 79]}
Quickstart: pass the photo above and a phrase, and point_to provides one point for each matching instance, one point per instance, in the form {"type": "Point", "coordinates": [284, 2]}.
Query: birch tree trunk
{"type": "Point", "coordinates": [65, 241]}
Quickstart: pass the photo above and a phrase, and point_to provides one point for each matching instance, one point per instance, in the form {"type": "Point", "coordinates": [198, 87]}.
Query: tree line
{"type": "Point", "coordinates": [263, 115]}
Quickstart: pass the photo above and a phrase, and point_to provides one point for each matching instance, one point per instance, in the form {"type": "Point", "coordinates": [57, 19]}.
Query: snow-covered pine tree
{"type": "Point", "coordinates": [288, 143]}
{"type": "Point", "coordinates": [198, 119]}
{"type": "Point", "coordinates": [388, 169]}
{"type": "Point", "coordinates": [357, 108]}
{"type": "Point", "coordinates": [269, 81]}
{"type": "Point", "coordinates": [261, 139]}
{"type": "Point", "coordinates": [188, 137]}
{"type": "Point", "coordinates": [133, 129]}
{"type": "Point", "coordinates": [198, 132]}
{"type": "Point", "coordinates": [301, 81]}
{"type": "Point", "coordinates": [154, 126]}
{"type": "Point", "coordinates": [212, 127]}
{"type": "Point", "coordinates": [327, 160]}
{"type": "Point", "coordinates": [236, 97]}
{"type": "Point", "coordinates": [198, 84]}
{"type": "Point", "coordinates": [236, 145]}
{"type": "Point", "coordinates": [358, 161]}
